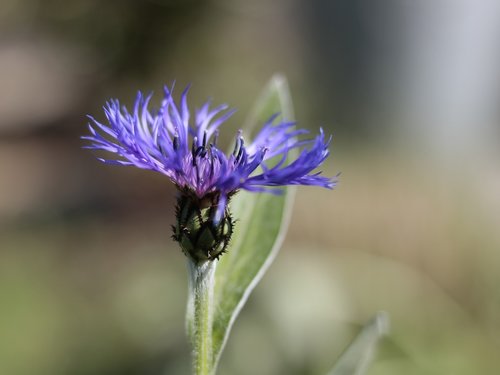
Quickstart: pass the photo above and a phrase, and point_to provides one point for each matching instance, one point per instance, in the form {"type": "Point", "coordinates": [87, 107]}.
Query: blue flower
{"type": "Point", "coordinates": [184, 147]}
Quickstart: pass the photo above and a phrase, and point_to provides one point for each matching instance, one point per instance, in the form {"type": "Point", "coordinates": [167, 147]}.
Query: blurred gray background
{"type": "Point", "coordinates": [90, 282]}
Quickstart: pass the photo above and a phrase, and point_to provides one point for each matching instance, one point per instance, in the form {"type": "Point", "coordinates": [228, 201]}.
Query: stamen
{"type": "Point", "coordinates": [193, 145]}
{"type": "Point", "coordinates": [204, 144]}
{"type": "Point", "coordinates": [240, 154]}
{"type": "Point", "coordinates": [176, 142]}
{"type": "Point", "coordinates": [242, 149]}
{"type": "Point", "coordinates": [193, 150]}
{"type": "Point", "coordinates": [201, 151]}
{"type": "Point", "coordinates": [238, 142]}
{"type": "Point", "coordinates": [212, 166]}
{"type": "Point", "coordinates": [235, 151]}
{"type": "Point", "coordinates": [197, 174]}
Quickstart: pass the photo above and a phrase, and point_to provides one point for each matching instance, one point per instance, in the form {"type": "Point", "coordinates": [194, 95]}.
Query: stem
{"type": "Point", "coordinates": [199, 314]}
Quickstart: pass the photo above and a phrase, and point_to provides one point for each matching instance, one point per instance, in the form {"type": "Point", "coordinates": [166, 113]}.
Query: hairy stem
{"type": "Point", "coordinates": [200, 314]}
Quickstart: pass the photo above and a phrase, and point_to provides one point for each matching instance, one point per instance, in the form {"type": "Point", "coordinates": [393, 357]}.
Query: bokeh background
{"type": "Point", "coordinates": [90, 282]}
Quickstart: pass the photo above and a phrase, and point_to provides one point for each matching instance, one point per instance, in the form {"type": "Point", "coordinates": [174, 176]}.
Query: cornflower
{"type": "Point", "coordinates": [184, 148]}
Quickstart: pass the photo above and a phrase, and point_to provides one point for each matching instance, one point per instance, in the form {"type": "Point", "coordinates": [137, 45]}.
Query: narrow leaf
{"type": "Point", "coordinates": [359, 354]}
{"type": "Point", "coordinates": [262, 220]}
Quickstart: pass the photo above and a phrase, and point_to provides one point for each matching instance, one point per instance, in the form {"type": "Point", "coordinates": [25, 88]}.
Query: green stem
{"type": "Point", "coordinates": [199, 314]}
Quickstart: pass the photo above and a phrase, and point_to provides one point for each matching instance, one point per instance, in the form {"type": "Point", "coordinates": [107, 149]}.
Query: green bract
{"type": "Point", "coordinates": [199, 236]}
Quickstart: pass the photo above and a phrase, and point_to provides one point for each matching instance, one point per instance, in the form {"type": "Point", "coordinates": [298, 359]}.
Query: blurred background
{"type": "Point", "coordinates": [90, 281]}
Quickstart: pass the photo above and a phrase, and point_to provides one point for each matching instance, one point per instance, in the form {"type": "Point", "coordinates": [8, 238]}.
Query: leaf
{"type": "Point", "coordinates": [359, 354]}
{"type": "Point", "coordinates": [262, 220]}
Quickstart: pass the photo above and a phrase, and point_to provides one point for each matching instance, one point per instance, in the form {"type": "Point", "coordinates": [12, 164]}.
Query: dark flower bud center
{"type": "Point", "coordinates": [199, 236]}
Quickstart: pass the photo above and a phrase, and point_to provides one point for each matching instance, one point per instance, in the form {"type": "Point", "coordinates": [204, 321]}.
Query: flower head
{"type": "Point", "coordinates": [184, 147]}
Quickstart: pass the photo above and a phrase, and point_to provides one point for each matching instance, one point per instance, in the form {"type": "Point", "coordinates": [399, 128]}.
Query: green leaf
{"type": "Point", "coordinates": [358, 355]}
{"type": "Point", "coordinates": [262, 220]}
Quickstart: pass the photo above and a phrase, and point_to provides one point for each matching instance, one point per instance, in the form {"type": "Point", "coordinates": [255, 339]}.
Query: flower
{"type": "Point", "coordinates": [184, 148]}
